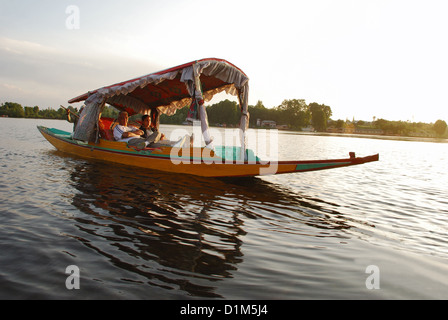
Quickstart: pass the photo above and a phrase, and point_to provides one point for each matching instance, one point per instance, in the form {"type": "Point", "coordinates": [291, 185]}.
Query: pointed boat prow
{"type": "Point", "coordinates": [375, 157]}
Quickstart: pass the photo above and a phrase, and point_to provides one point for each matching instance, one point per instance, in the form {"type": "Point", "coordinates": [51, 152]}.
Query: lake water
{"type": "Point", "coordinates": [140, 234]}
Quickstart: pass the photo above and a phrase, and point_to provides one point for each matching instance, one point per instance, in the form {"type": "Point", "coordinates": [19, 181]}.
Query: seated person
{"type": "Point", "coordinates": [149, 134]}
{"type": "Point", "coordinates": [140, 138]}
{"type": "Point", "coordinates": [75, 117]}
{"type": "Point", "coordinates": [123, 132]}
{"type": "Point", "coordinates": [155, 139]}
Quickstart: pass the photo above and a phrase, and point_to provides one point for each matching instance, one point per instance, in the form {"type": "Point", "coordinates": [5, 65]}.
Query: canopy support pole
{"type": "Point", "coordinates": [244, 123]}
{"type": "Point", "coordinates": [87, 126]}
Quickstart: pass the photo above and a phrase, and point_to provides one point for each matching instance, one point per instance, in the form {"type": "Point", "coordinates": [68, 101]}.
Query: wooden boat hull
{"type": "Point", "coordinates": [194, 161]}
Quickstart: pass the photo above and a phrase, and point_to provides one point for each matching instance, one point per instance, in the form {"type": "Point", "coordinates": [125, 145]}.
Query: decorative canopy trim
{"type": "Point", "coordinates": [167, 90]}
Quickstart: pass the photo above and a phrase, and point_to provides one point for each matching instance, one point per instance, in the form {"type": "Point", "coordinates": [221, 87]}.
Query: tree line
{"type": "Point", "coordinates": [295, 114]}
{"type": "Point", "coordinates": [15, 110]}
{"type": "Point", "coordinates": [406, 128]}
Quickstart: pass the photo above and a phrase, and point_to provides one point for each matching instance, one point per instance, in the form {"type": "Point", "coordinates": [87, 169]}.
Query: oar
{"type": "Point", "coordinates": [70, 111]}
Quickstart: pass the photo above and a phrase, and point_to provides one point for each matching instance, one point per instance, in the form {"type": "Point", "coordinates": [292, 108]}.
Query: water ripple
{"type": "Point", "coordinates": [148, 235]}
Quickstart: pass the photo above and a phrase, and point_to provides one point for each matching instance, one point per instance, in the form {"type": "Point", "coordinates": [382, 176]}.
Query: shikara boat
{"type": "Point", "coordinates": [165, 92]}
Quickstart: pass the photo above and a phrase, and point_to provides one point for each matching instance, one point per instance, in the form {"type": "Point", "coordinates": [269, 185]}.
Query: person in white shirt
{"type": "Point", "coordinates": [129, 134]}
{"type": "Point", "coordinates": [132, 135]}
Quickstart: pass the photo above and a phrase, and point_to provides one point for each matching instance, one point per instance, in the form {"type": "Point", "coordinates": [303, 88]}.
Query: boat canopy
{"type": "Point", "coordinates": [165, 92]}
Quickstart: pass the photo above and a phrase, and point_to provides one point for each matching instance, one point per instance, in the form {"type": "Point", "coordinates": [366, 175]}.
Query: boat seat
{"type": "Point", "coordinates": [233, 153]}
{"type": "Point", "coordinates": [106, 126]}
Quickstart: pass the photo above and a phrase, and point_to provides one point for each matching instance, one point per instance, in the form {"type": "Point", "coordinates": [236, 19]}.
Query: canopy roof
{"type": "Point", "coordinates": [173, 88]}
{"type": "Point", "coordinates": [168, 90]}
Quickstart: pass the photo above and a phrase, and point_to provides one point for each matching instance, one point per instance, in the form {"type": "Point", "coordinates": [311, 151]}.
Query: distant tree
{"type": "Point", "coordinates": [340, 124]}
{"type": "Point", "coordinates": [108, 112]}
{"type": "Point", "coordinates": [61, 113]}
{"type": "Point", "coordinates": [177, 118]}
{"type": "Point", "coordinates": [294, 112]}
{"type": "Point", "coordinates": [29, 112]}
{"type": "Point", "coordinates": [12, 109]}
{"type": "Point", "coordinates": [225, 111]}
{"type": "Point", "coordinates": [320, 114]}
{"type": "Point", "coordinates": [260, 105]}
{"type": "Point", "coordinates": [440, 127]}
{"type": "Point", "coordinates": [259, 111]}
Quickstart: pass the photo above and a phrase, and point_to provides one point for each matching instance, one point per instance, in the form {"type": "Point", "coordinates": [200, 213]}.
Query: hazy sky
{"type": "Point", "coordinates": [363, 58]}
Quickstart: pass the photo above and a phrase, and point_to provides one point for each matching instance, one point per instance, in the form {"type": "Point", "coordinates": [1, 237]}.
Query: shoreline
{"type": "Point", "coordinates": [330, 134]}
{"type": "Point", "coordinates": [370, 136]}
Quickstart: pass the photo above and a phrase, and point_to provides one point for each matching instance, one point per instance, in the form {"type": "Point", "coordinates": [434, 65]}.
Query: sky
{"type": "Point", "coordinates": [363, 58]}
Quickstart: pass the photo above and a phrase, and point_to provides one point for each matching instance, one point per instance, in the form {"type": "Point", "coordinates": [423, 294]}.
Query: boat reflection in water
{"type": "Point", "coordinates": [182, 232]}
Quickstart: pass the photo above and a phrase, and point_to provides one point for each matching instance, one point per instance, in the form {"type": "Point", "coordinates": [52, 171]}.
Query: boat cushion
{"type": "Point", "coordinates": [106, 126]}
{"type": "Point", "coordinates": [233, 153]}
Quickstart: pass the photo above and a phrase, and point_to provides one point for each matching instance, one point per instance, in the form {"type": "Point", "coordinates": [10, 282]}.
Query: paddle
{"type": "Point", "coordinates": [68, 110]}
